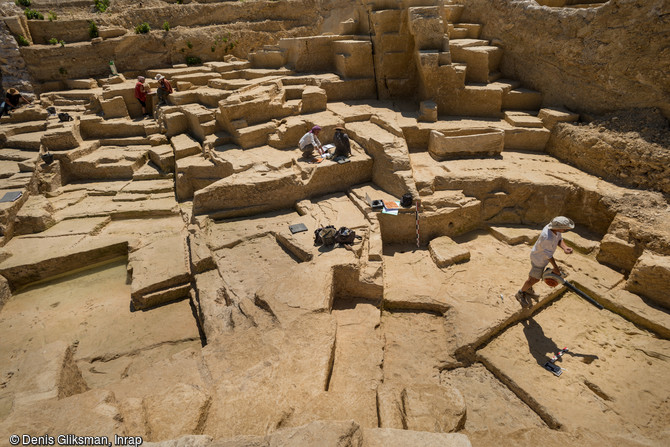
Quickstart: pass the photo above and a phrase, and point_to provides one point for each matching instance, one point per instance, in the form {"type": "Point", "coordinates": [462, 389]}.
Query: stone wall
{"type": "Point", "coordinates": [611, 57]}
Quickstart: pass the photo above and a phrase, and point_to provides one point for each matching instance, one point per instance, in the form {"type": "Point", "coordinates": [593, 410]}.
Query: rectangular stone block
{"type": "Point", "coordinates": [650, 278]}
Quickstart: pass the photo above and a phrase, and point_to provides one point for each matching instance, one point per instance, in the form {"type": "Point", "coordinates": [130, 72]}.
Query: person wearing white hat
{"type": "Point", "coordinates": [542, 254]}
{"type": "Point", "coordinates": [164, 89]}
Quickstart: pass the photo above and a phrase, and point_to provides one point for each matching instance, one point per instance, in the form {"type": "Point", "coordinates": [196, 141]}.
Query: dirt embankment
{"type": "Point", "coordinates": [631, 148]}
{"type": "Point", "coordinates": [611, 57]}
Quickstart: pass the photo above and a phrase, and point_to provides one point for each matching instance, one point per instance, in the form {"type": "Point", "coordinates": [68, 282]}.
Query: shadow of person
{"type": "Point", "coordinates": [540, 346]}
{"type": "Point", "coordinates": [543, 348]}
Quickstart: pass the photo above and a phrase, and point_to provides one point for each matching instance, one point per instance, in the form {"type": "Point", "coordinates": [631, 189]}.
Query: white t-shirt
{"type": "Point", "coordinates": [544, 247]}
{"type": "Point", "coordinates": [309, 138]}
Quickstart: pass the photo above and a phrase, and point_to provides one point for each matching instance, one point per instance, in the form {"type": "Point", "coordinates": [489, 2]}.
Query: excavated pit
{"type": "Point", "coordinates": [151, 284]}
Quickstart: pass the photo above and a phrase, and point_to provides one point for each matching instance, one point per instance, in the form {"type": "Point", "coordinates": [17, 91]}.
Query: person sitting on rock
{"type": "Point", "coordinates": [342, 143]}
{"type": "Point", "coordinates": [12, 101]}
{"type": "Point", "coordinates": [542, 254]}
{"type": "Point", "coordinates": [141, 90]}
{"type": "Point", "coordinates": [309, 142]}
{"type": "Point", "coordinates": [164, 89]}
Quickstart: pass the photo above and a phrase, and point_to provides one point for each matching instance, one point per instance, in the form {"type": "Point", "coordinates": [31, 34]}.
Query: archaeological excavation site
{"type": "Point", "coordinates": [178, 270]}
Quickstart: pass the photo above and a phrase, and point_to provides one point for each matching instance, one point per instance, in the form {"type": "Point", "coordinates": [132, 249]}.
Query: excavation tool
{"type": "Point", "coordinates": [553, 280]}
{"type": "Point", "coordinates": [551, 364]}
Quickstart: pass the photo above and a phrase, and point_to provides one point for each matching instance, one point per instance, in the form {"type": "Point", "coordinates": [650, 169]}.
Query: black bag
{"type": "Point", "coordinates": [407, 200]}
{"type": "Point", "coordinates": [346, 236]}
{"type": "Point", "coordinates": [325, 235]}
{"type": "Point", "coordinates": [64, 116]}
{"type": "Point", "coordinates": [47, 158]}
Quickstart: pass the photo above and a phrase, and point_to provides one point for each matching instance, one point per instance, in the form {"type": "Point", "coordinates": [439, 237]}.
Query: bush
{"type": "Point", "coordinates": [62, 71]}
{"type": "Point", "coordinates": [53, 41]}
{"type": "Point", "coordinates": [189, 44]}
{"type": "Point", "coordinates": [101, 5]}
{"type": "Point", "coordinates": [142, 28]}
{"type": "Point", "coordinates": [92, 29]}
{"type": "Point", "coordinates": [62, 43]}
{"type": "Point", "coordinates": [24, 3]}
{"type": "Point", "coordinates": [179, 2]}
{"type": "Point", "coordinates": [23, 42]}
{"type": "Point", "coordinates": [166, 26]}
{"type": "Point", "coordinates": [32, 14]}
{"type": "Point", "coordinates": [52, 16]}
{"type": "Point", "coordinates": [193, 60]}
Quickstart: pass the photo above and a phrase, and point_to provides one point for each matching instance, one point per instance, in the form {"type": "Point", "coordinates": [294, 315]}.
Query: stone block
{"type": "Point", "coordinates": [161, 265]}
{"type": "Point", "coordinates": [456, 143]}
{"type": "Point", "coordinates": [61, 139]}
{"type": "Point", "coordinates": [522, 119]}
{"type": "Point", "coordinates": [114, 107]}
{"type": "Point", "coordinates": [514, 235]}
{"type": "Point", "coordinates": [314, 99]}
{"type": "Point", "coordinates": [185, 146]}
{"type": "Point", "coordinates": [353, 59]}
{"type": "Point", "coordinates": [445, 252]}
{"type": "Point", "coordinates": [427, 27]}
{"type": "Point", "coordinates": [618, 253]}
{"type": "Point", "coordinates": [650, 278]}
{"type": "Point", "coordinates": [552, 116]}
{"type": "Point", "coordinates": [527, 138]}
{"type": "Point", "coordinates": [175, 123]}
{"type": "Point", "coordinates": [81, 83]}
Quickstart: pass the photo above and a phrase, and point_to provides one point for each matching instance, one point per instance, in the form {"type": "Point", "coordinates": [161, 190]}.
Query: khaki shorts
{"type": "Point", "coordinates": [536, 272]}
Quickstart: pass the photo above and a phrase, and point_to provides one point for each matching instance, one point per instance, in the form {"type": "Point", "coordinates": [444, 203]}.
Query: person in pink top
{"type": "Point", "coordinates": [141, 90]}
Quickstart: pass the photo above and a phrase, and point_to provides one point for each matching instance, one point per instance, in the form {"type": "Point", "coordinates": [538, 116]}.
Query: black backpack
{"type": "Point", "coordinates": [407, 200]}
{"type": "Point", "coordinates": [325, 235]}
{"type": "Point", "coordinates": [64, 116]}
{"type": "Point", "coordinates": [346, 236]}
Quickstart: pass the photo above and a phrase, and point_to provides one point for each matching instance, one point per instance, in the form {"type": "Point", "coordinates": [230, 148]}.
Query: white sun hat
{"type": "Point", "coordinates": [561, 223]}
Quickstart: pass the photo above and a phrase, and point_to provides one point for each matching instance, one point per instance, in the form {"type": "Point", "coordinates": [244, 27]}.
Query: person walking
{"type": "Point", "coordinates": [542, 254]}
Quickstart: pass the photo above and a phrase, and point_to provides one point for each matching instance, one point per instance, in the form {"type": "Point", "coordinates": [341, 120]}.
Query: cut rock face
{"type": "Point", "coordinates": [160, 275]}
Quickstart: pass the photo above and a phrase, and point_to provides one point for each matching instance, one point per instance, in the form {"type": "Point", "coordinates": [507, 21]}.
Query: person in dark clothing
{"type": "Point", "coordinates": [342, 143]}
{"type": "Point", "coordinates": [12, 100]}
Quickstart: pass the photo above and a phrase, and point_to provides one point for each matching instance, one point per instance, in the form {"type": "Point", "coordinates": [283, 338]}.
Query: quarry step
{"type": "Point", "coordinates": [27, 141]}
{"type": "Point", "coordinates": [507, 84]}
{"type": "Point", "coordinates": [467, 43]}
{"type": "Point", "coordinates": [523, 119]}
{"type": "Point", "coordinates": [453, 12]}
{"type": "Point", "coordinates": [522, 99]}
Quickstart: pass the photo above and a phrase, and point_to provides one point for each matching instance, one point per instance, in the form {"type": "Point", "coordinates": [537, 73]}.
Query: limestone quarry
{"type": "Point", "coordinates": [151, 286]}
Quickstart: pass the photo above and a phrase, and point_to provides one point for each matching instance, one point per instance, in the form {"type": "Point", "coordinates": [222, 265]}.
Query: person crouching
{"type": "Point", "coordinates": [309, 142]}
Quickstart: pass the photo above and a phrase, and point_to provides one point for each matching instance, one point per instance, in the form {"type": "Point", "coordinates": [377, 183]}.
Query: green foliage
{"type": "Point", "coordinates": [52, 16]}
{"type": "Point", "coordinates": [189, 44]}
{"type": "Point", "coordinates": [226, 42]}
{"type": "Point", "coordinates": [193, 60]}
{"type": "Point", "coordinates": [166, 26]}
{"type": "Point", "coordinates": [62, 71]}
{"type": "Point", "coordinates": [142, 28]}
{"type": "Point", "coordinates": [24, 3]}
{"type": "Point", "coordinates": [101, 5]}
{"type": "Point", "coordinates": [179, 2]}
{"type": "Point", "coordinates": [213, 48]}
{"type": "Point", "coordinates": [31, 14]}
{"type": "Point", "coordinates": [62, 43]}
{"type": "Point", "coordinates": [92, 29]}
{"type": "Point", "coordinates": [23, 42]}
{"type": "Point", "coordinates": [53, 41]}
